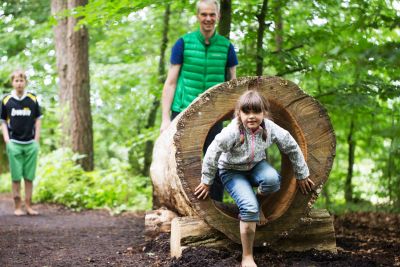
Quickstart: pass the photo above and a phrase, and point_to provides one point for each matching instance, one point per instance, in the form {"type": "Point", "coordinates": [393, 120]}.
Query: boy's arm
{"type": "Point", "coordinates": [4, 129]}
{"type": "Point", "coordinates": [38, 126]}
{"type": "Point", "coordinates": [289, 146]}
{"type": "Point", "coordinates": [4, 126]}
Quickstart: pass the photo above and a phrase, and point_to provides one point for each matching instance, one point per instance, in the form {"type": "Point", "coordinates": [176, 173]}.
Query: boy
{"type": "Point", "coordinates": [20, 115]}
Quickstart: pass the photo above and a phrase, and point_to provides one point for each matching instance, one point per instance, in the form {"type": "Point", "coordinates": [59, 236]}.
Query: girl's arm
{"type": "Point", "coordinates": [222, 143]}
{"type": "Point", "coordinates": [5, 132]}
{"type": "Point", "coordinates": [289, 146]}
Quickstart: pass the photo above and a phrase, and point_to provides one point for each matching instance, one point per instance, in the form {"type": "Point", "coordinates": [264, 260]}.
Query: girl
{"type": "Point", "coordinates": [238, 153]}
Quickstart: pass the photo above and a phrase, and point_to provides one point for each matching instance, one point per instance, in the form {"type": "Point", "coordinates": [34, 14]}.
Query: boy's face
{"type": "Point", "coordinates": [252, 120]}
{"type": "Point", "coordinates": [19, 83]}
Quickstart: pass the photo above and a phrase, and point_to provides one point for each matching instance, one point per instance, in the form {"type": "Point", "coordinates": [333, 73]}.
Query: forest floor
{"type": "Point", "coordinates": [60, 237]}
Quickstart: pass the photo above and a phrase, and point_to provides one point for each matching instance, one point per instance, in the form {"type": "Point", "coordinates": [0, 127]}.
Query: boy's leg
{"type": "Point", "coordinates": [15, 159]}
{"type": "Point", "coordinates": [16, 189]}
{"type": "Point", "coordinates": [247, 233]}
{"type": "Point", "coordinates": [28, 198]}
{"type": "Point", "coordinates": [29, 173]}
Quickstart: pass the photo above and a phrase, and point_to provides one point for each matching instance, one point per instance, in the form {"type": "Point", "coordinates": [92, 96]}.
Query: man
{"type": "Point", "coordinates": [199, 60]}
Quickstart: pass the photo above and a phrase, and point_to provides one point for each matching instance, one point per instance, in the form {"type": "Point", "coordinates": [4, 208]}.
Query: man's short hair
{"type": "Point", "coordinates": [19, 73]}
{"type": "Point", "coordinates": [215, 2]}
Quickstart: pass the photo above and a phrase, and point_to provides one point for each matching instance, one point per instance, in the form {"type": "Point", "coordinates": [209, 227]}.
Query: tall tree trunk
{"type": "Point", "coordinates": [260, 37]}
{"type": "Point", "coordinates": [224, 27]}
{"type": "Point", "coordinates": [278, 25]}
{"type": "Point", "coordinates": [156, 102]}
{"type": "Point", "coordinates": [60, 41]}
{"type": "Point", "coordinates": [348, 193]}
{"type": "Point", "coordinates": [79, 89]}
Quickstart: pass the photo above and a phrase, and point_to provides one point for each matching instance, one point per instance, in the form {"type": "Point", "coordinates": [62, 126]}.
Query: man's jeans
{"type": "Point", "coordinates": [217, 189]}
{"type": "Point", "coordinates": [239, 185]}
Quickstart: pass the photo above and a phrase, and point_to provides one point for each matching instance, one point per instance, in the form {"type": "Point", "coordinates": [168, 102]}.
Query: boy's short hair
{"type": "Point", "coordinates": [215, 2]}
{"type": "Point", "coordinates": [18, 74]}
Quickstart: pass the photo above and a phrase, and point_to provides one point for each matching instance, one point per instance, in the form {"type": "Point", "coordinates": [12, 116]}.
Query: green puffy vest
{"type": "Point", "coordinates": [203, 67]}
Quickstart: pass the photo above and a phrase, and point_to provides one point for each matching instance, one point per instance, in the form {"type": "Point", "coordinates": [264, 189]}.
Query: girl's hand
{"type": "Point", "coordinates": [305, 185]}
{"type": "Point", "coordinates": [202, 191]}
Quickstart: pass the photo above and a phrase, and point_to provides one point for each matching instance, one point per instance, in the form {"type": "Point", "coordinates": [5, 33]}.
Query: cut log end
{"type": "Point", "coordinates": [176, 168]}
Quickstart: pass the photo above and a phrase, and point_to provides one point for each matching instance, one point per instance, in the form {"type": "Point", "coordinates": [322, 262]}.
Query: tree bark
{"type": "Point", "coordinates": [278, 25]}
{"type": "Point", "coordinates": [352, 146]}
{"type": "Point", "coordinates": [260, 38]}
{"type": "Point", "coordinates": [156, 102]}
{"type": "Point", "coordinates": [60, 42]}
{"type": "Point", "coordinates": [177, 154]}
{"type": "Point", "coordinates": [224, 26]}
{"type": "Point", "coordinates": [79, 89]}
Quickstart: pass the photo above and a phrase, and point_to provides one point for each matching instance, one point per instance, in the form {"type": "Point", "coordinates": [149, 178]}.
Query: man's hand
{"type": "Point", "coordinates": [164, 125]}
{"type": "Point", "coordinates": [202, 191]}
{"type": "Point", "coordinates": [305, 185]}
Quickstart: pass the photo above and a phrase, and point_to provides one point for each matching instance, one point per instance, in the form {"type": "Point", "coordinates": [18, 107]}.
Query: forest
{"type": "Point", "coordinates": [343, 53]}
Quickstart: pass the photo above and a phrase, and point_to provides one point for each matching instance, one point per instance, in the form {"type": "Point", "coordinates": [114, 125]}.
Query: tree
{"type": "Point", "coordinates": [72, 46]}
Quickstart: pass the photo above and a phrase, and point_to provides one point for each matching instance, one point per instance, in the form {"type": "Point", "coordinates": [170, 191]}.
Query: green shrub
{"type": "Point", "coordinates": [60, 180]}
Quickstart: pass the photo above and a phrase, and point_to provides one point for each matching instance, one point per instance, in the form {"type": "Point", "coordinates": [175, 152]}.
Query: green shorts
{"type": "Point", "coordinates": [23, 160]}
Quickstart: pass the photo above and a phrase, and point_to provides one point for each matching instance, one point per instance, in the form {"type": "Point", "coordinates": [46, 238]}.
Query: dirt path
{"type": "Point", "coordinates": [59, 237]}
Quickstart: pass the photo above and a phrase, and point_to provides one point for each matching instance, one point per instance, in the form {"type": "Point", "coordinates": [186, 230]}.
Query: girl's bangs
{"type": "Point", "coordinates": [252, 103]}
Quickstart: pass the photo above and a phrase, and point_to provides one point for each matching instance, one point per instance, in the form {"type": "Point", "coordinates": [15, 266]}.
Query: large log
{"type": "Point", "coordinates": [315, 233]}
{"type": "Point", "coordinates": [177, 155]}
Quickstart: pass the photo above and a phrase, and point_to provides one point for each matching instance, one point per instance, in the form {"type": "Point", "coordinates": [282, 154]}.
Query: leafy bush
{"type": "Point", "coordinates": [61, 180]}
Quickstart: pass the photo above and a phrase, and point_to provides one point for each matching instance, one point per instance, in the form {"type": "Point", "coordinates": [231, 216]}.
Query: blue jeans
{"type": "Point", "coordinates": [239, 185]}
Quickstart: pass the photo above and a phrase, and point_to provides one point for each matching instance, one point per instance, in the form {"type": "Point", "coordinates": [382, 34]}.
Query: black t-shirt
{"type": "Point", "coordinates": [20, 116]}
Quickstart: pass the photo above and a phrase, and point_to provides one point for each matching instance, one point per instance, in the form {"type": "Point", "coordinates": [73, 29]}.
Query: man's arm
{"type": "Point", "coordinates": [231, 73]}
{"type": "Point", "coordinates": [4, 128]}
{"type": "Point", "coordinates": [38, 125]}
{"type": "Point", "coordinates": [168, 94]}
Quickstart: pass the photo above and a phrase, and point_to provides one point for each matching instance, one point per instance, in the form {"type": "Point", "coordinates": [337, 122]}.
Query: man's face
{"type": "Point", "coordinates": [208, 17]}
{"type": "Point", "coordinates": [19, 84]}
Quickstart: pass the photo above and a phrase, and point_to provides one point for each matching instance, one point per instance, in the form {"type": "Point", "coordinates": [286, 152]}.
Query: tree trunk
{"type": "Point", "coordinates": [177, 155]}
{"type": "Point", "coordinates": [278, 25]}
{"type": "Point", "coordinates": [79, 89]}
{"type": "Point", "coordinates": [260, 38]}
{"type": "Point", "coordinates": [156, 102]}
{"type": "Point", "coordinates": [352, 147]}
{"type": "Point", "coordinates": [60, 42]}
{"type": "Point", "coordinates": [224, 26]}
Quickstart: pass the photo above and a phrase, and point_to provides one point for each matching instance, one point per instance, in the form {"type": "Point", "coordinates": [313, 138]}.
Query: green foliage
{"type": "Point", "coordinates": [61, 180]}
{"type": "Point", "coordinates": [344, 53]}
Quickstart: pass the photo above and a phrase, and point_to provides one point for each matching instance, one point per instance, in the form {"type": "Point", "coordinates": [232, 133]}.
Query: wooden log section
{"type": "Point", "coordinates": [177, 156]}
{"type": "Point", "coordinates": [315, 233]}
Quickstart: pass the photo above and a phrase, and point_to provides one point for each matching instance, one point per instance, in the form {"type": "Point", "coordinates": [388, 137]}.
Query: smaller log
{"type": "Point", "coordinates": [314, 232]}
{"type": "Point", "coordinates": [157, 222]}
{"type": "Point", "coordinates": [194, 232]}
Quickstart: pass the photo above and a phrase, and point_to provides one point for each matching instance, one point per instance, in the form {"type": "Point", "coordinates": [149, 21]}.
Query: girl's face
{"type": "Point", "coordinates": [251, 119]}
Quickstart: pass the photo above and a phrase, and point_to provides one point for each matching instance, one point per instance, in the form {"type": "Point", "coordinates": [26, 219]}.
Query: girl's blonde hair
{"type": "Point", "coordinates": [18, 74]}
{"type": "Point", "coordinates": [251, 101]}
